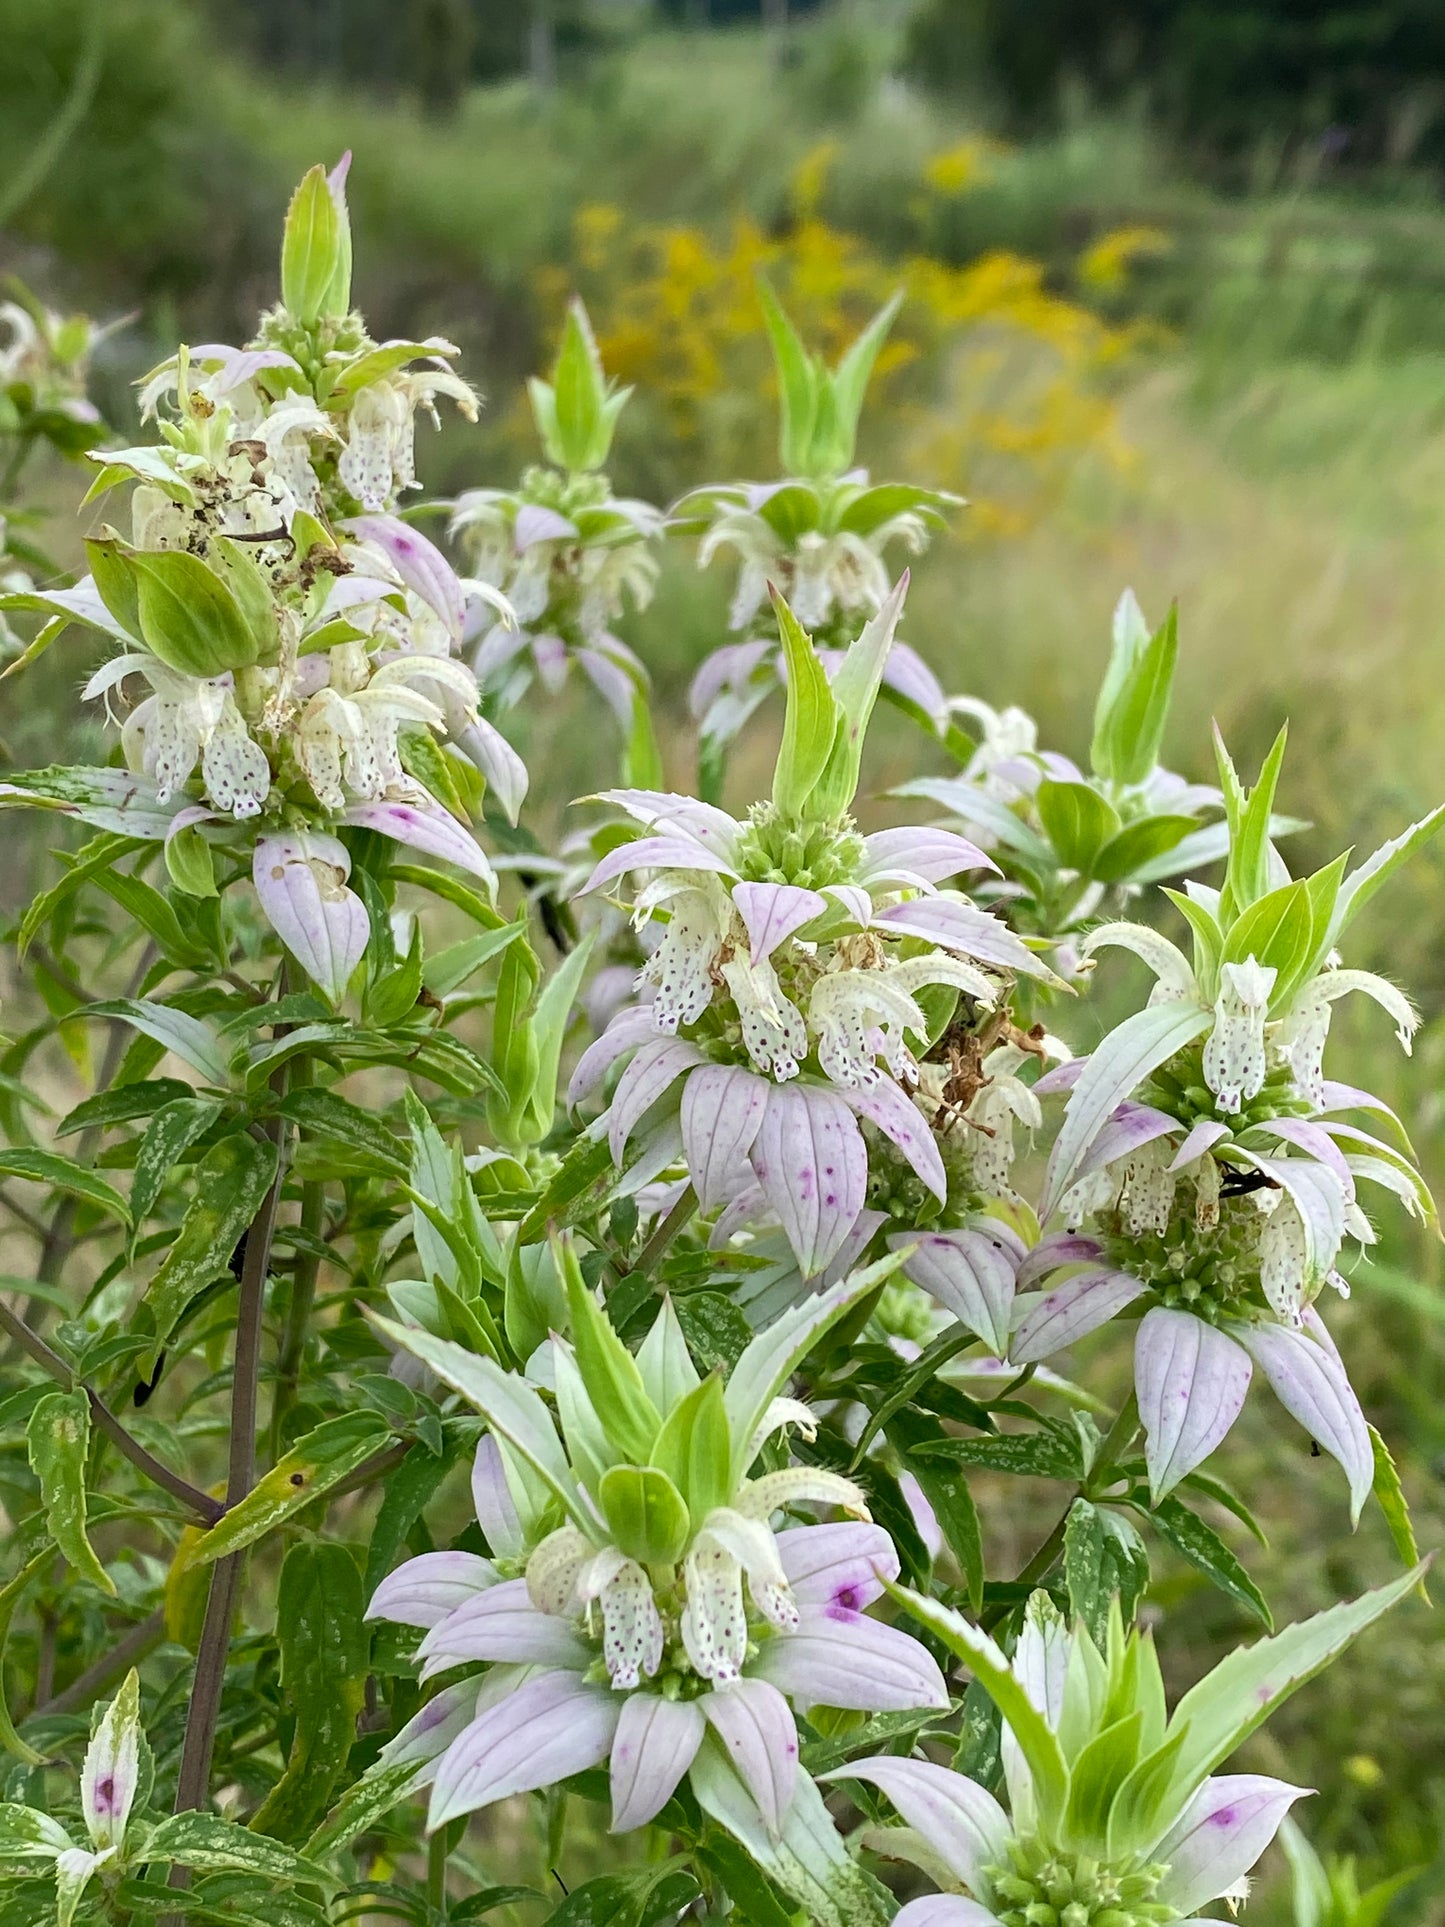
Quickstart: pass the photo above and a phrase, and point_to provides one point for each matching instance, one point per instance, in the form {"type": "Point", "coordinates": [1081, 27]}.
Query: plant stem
{"type": "Point", "coordinates": [664, 1233]}
{"type": "Point", "coordinates": [298, 1316]}
{"type": "Point", "coordinates": [1118, 1440]}
{"type": "Point", "coordinates": [193, 1784]}
{"type": "Point", "coordinates": [200, 1503]}
{"type": "Point", "coordinates": [436, 1871]}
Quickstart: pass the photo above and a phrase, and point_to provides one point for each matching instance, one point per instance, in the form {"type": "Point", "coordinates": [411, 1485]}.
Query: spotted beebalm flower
{"type": "Point", "coordinates": [569, 556]}
{"type": "Point", "coordinates": [287, 646]}
{"type": "Point", "coordinates": [1206, 1167]}
{"type": "Point", "coordinates": [783, 1000]}
{"type": "Point", "coordinates": [666, 1604]}
{"type": "Point", "coordinates": [1116, 1816]}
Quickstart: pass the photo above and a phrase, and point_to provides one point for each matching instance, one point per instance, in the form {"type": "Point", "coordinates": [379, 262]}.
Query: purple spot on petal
{"type": "Point", "coordinates": [847, 1597]}
{"type": "Point", "coordinates": [1225, 1817]}
{"type": "Point", "coordinates": [105, 1796]}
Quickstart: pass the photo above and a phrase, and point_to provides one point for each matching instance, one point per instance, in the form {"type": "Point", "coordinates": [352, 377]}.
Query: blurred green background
{"type": "Point", "coordinates": [1175, 319]}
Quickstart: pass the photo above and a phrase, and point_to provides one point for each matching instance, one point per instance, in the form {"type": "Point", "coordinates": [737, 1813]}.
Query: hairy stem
{"type": "Point", "coordinates": [200, 1503]}
{"type": "Point", "coordinates": [193, 1784]}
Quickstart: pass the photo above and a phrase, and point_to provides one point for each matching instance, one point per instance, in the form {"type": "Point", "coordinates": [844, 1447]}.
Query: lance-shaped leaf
{"type": "Point", "coordinates": [513, 1410]}
{"type": "Point", "coordinates": [231, 1180]}
{"type": "Point", "coordinates": [169, 1135]}
{"type": "Point", "coordinates": [58, 1440]}
{"type": "Point", "coordinates": [320, 1460]}
{"type": "Point", "coordinates": [1036, 1739]}
{"type": "Point", "coordinates": [59, 1173]}
{"type": "Point", "coordinates": [188, 616]}
{"type": "Point", "coordinates": [855, 691]}
{"type": "Point", "coordinates": [812, 718]}
{"type": "Point", "coordinates": [206, 1841]}
{"type": "Point", "coordinates": [1245, 1688]}
{"type": "Point", "coordinates": [645, 1513]}
{"type": "Point", "coordinates": [191, 1038]}
{"type": "Point", "coordinates": [693, 1448]}
{"type": "Point", "coordinates": [315, 248]}
{"type": "Point", "coordinates": [324, 1652]}
{"type": "Point", "coordinates": [609, 1371]}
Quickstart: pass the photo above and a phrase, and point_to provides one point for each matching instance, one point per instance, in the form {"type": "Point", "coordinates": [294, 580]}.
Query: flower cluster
{"type": "Point", "coordinates": [297, 640]}
{"type": "Point", "coordinates": [665, 1605]}
{"type": "Point", "coordinates": [785, 994]}
{"type": "Point", "coordinates": [568, 555]}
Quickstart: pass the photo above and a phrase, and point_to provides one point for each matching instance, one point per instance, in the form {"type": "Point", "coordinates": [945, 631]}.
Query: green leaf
{"type": "Point", "coordinates": [313, 249]}
{"type": "Point", "coordinates": [10, 1598]}
{"type": "Point", "coordinates": [64, 1174]}
{"type": "Point", "coordinates": [1275, 929]}
{"type": "Point", "coordinates": [170, 1133]}
{"type": "Point", "coordinates": [692, 1447]}
{"type": "Point", "coordinates": [449, 969]}
{"type": "Point", "coordinates": [646, 1513]}
{"type": "Point", "coordinates": [642, 766]}
{"type": "Point", "coordinates": [1202, 1546]}
{"type": "Point", "coordinates": [58, 1441]}
{"type": "Point", "coordinates": [324, 1648]}
{"type": "Point", "coordinates": [1136, 724]}
{"type": "Point", "coordinates": [1036, 1738]}
{"type": "Point", "coordinates": [855, 691]}
{"type": "Point", "coordinates": [1084, 1569]}
{"type": "Point", "coordinates": [205, 1840]}
{"type": "Point", "coordinates": [189, 863]}
{"type": "Point", "coordinates": [189, 1037]}
{"type": "Point", "coordinates": [811, 721]}
{"type": "Point", "coordinates": [323, 1458]}
{"type": "Point", "coordinates": [1079, 822]}
{"type": "Point", "coordinates": [1244, 1689]}
{"type": "Point", "coordinates": [364, 1803]}
{"type": "Point", "coordinates": [1361, 884]}
{"type": "Point", "coordinates": [1395, 1506]}
{"type": "Point", "coordinates": [122, 1103]}
{"type": "Point", "coordinates": [1051, 1454]}
{"type": "Point", "coordinates": [231, 1181]}
{"type": "Point", "coordinates": [188, 616]}
{"type": "Point", "coordinates": [715, 1331]}
{"type": "Point", "coordinates": [1096, 1777]}
{"type": "Point", "coordinates": [572, 1188]}
{"type": "Point", "coordinates": [947, 1492]}
{"type": "Point", "coordinates": [1247, 876]}
{"type": "Point", "coordinates": [328, 1119]}
{"type": "Point", "coordinates": [800, 381]}
{"type": "Point", "coordinates": [609, 1371]}
{"type": "Point", "coordinates": [550, 1017]}
{"type": "Point", "coordinates": [1139, 843]}
{"type": "Point", "coordinates": [145, 905]}
{"type": "Point", "coordinates": [28, 1834]}
{"type": "Point", "coordinates": [849, 384]}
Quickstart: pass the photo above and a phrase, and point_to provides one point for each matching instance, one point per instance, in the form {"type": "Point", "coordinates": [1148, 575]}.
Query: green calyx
{"type": "Point", "coordinates": [1210, 1270]}
{"type": "Point", "coordinates": [1179, 1088]}
{"type": "Point", "coordinates": [568, 494]}
{"type": "Point", "coordinates": [777, 847]}
{"type": "Point", "coordinates": [1041, 1887]}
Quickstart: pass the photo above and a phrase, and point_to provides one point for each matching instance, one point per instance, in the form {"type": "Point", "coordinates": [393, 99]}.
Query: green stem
{"type": "Point", "coordinates": [436, 1872]}
{"type": "Point", "coordinates": [131, 1648]}
{"type": "Point", "coordinates": [664, 1234]}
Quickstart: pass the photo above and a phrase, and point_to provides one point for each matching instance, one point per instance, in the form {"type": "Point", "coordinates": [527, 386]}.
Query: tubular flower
{"type": "Point", "coordinates": [1206, 1167]}
{"type": "Point", "coordinates": [1134, 1830]}
{"type": "Point", "coordinates": [668, 1603]}
{"type": "Point", "coordinates": [295, 641]}
{"type": "Point", "coordinates": [783, 1001]}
